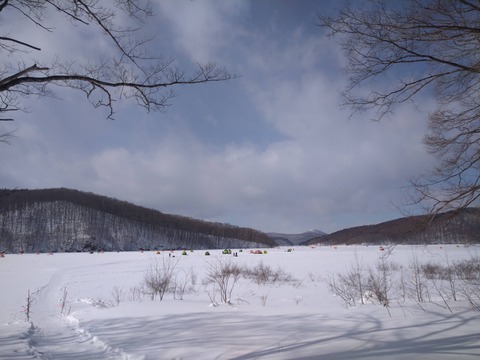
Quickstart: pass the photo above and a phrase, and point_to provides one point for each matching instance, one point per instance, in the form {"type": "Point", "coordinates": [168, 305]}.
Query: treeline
{"type": "Point", "coordinates": [454, 227]}
{"type": "Point", "coordinates": [70, 220]}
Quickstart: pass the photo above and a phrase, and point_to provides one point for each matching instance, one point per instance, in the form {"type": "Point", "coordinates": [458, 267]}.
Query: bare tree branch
{"type": "Point", "coordinates": [2, 38]}
{"type": "Point", "coordinates": [399, 50]}
{"type": "Point", "coordinates": [131, 73]}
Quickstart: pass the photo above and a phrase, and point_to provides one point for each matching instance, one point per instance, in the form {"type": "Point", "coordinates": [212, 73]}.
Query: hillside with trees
{"type": "Point", "coordinates": [67, 220]}
{"type": "Point", "coordinates": [454, 227]}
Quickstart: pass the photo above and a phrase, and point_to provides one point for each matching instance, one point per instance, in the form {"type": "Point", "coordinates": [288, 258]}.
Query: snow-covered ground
{"type": "Point", "coordinates": [105, 316]}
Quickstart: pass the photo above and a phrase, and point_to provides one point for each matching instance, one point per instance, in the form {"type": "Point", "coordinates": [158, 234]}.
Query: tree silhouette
{"type": "Point", "coordinates": [130, 72]}
{"type": "Point", "coordinates": [395, 51]}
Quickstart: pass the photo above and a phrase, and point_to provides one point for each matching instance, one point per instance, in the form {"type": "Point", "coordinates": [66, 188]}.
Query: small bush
{"type": "Point", "coordinates": [184, 283]}
{"type": "Point", "coordinates": [420, 282]}
{"type": "Point", "coordinates": [432, 271]}
{"type": "Point", "coordinates": [118, 295]}
{"type": "Point", "coordinates": [468, 269]}
{"type": "Point", "coordinates": [159, 277]}
{"type": "Point", "coordinates": [264, 274]}
{"type": "Point", "coordinates": [225, 275]}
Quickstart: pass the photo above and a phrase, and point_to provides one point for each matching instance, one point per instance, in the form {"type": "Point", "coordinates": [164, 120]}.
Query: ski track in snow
{"type": "Point", "coordinates": [53, 335]}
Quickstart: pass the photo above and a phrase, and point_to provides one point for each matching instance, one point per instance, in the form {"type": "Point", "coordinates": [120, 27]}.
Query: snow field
{"type": "Point", "coordinates": [300, 319]}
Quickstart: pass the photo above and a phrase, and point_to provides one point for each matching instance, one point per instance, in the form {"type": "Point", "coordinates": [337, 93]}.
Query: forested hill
{"type": "Point", "coordinates": [462, 227]}
{"type": "Point", "coordinates": [70, 220]}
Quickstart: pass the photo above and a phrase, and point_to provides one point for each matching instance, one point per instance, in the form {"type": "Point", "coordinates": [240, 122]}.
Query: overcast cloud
{"type": "Point", "coordinates": [270, 150]}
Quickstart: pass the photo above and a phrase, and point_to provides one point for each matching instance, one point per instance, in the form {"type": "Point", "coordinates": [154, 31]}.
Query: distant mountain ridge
{"type": "Point", "coordinates": [71, 220]}
{"type": "Point", "coordinates": [295, 239]}
{"type": "Point", "coordinates": [454, 227]}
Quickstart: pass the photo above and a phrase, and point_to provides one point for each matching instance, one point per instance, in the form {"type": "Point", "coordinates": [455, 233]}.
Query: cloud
{"type": "Point", "coordinates": [271, 150]}
{"type": "Point", "coordinates": [328, 166]}
{"type": "Point", "coordinates": [202, 28]}
{"type": "Point", "coordinates": [343, 165]}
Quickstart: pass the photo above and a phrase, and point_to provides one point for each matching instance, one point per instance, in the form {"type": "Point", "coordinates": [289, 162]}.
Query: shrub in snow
{"type": "Point", "coordinates": [350, 286]}
{"type": "Point", "coordinates": [452, 281]}
{"type": "Point", "coordinates": [419, 282]}
{"type": "Point", "coordinates": [185, 281]}
{"type": "Point", "coordinates": [264, 274]}
{"type": "Point", "coordinates": [159, 277]}
{"type": "Point", "coordinates": [118, 295]}
{"type": "Point", "coordinates": [224, 274]}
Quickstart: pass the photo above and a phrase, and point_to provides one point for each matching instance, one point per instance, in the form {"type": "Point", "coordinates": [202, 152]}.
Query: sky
{"type": "Point", "coordinates": [271, 149]}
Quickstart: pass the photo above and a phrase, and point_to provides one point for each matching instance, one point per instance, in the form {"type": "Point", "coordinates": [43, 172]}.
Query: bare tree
{"type": "Point", "coordinates": [185, 283]}
{"type": "Point", "coordinates": [225, 275]}
{"type": "Point", "coordinates": [131, 71]}
{"type": "Point", "coordinates": [417, 286]}
{"type": "Point", "coordinates": [400, 49]}
{"type": "Point", "coordinates": [159, 279]}
{"type": "Point", "coordinates": [351, 286]}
